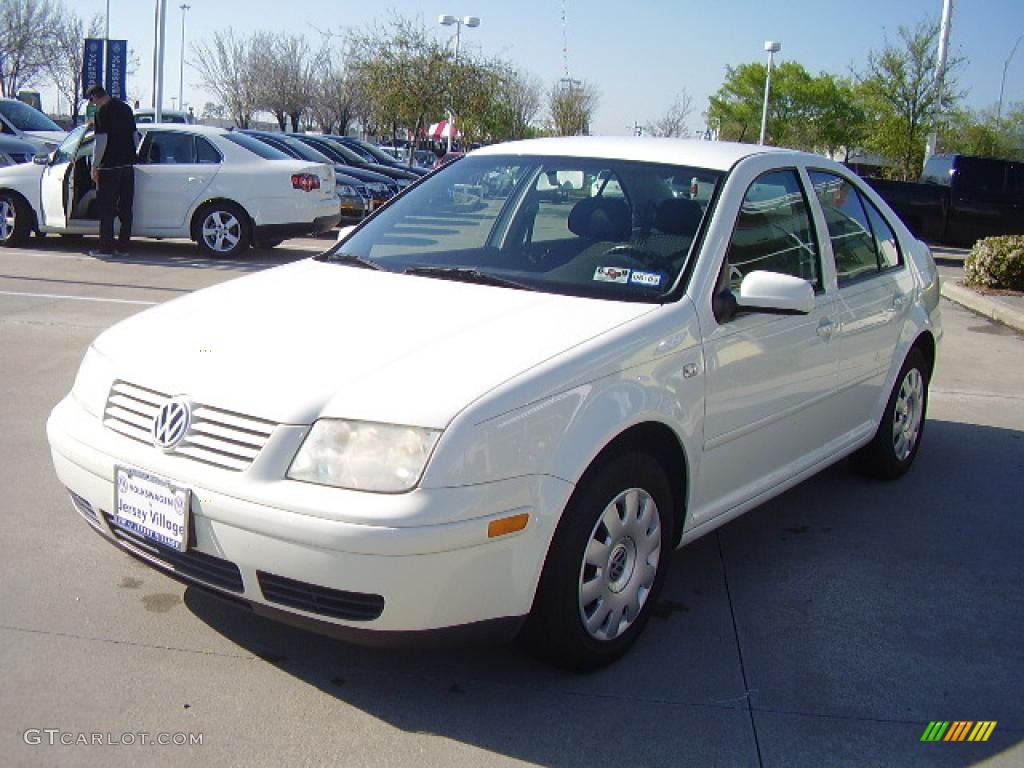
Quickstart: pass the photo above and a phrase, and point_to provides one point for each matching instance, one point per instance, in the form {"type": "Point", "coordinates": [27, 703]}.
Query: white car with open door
{"type": "Point", "coordinates": [501, 408]}
{"type": "Point", "coordinates": [207, 184]}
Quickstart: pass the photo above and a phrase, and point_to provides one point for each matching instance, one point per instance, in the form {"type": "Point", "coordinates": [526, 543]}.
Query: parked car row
{"type": "Point", "coordinates": [210, 185]}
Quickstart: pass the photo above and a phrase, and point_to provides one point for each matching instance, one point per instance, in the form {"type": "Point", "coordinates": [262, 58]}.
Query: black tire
{"type": "Point", "coordinates": [222, 230]}
{"type": "Point", "coordinates": [573, 621]}
{"type": "Point", "coordinates": [15, 220]}
{"type": "Point", "coordinates": [892, 450]}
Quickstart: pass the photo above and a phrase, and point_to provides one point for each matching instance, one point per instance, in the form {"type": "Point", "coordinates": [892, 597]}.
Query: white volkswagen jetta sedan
{"type": "Point", "coordinates": [505, 411]}
{"type": "Point", "coordinates": [198, 182]}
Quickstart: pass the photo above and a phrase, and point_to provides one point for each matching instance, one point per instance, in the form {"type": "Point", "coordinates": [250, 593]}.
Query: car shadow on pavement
{"type": "Point", "coordinates": [184, 253]}
{"type": "Point", "coordinates": [829, 626]}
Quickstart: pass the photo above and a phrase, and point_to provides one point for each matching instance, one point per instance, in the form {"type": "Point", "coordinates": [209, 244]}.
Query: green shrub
{"type": "Point", "coordinates": [996, 262]}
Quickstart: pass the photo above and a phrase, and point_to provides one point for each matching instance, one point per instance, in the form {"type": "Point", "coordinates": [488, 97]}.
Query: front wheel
{"type": "Point", "coordinates": [894, 446]}
{"type": "Point", "coordinates": [15, 220]}
{"type": "Point", "coordinates": [606, 565]}
{"type": "Point", "coordinates": [223, 230]}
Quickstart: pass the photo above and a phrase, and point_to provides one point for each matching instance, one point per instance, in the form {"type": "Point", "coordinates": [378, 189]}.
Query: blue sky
{"type": "Point", "coordinates": [639, 54]}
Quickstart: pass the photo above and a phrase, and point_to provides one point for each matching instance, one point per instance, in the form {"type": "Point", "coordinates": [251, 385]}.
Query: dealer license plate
{"type": "Point", "coordinates": [152, 507]}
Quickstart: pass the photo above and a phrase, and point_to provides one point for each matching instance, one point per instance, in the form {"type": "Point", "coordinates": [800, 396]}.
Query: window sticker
{"type": "Point", "coordinates": [612, 275]}
{"type": "Point", "coordinates": [647, 279]}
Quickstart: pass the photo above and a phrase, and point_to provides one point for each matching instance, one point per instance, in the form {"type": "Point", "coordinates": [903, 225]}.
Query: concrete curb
{"type": "Point", "coordinates": [983, 305]}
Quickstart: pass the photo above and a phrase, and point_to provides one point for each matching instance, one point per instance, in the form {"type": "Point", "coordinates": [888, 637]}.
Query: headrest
{"type": "Point", "coordinates": [601, 218]}
{"type": "Point", "coordinates": [678, 216]}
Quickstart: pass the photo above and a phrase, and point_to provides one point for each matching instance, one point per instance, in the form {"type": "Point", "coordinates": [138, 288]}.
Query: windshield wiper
{"type": "Point", "coordinates": [347, 258]}
{"type": "Point", "coordinates": [466, 275]}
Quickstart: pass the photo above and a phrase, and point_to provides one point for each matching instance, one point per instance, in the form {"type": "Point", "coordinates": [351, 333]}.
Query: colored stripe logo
{"type": "Point", "coordinates": [959, 730]}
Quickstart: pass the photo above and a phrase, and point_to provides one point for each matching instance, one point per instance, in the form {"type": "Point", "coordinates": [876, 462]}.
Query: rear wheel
{"type": "Point", "coordinates": [895, 444]}
{"type": "Point", "coordinates": [15, 220]}
{"type": "Point", "coordinates": [606, 565]}
{"type": "Point", "coordinates": [223, 230]}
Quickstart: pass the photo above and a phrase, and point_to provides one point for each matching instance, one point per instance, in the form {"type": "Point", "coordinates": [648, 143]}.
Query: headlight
{"type": "Point", "coordinates": [363, 455]}
{"type": "Point", "coordinates": [92, 384]}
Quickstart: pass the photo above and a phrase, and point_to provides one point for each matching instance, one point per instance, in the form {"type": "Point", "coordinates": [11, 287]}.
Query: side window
{"type": "Point", "coordinates": [863, 243]}
{"type": "Point", "coordinates": [773, 232]}
{"type": "Point", "coordinates": [205, 153]}
{"type": "Point", "coordinates": [885, 239]}
{"type": "Point", "coordinates": [168, 148]}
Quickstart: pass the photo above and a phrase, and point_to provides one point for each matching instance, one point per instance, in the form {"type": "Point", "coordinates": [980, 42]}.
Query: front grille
{"type": "Point", "coordinates": [354, 606]}
{"type": "Point", "coordinates": [217, 437]}
{"type": "Point", "coordinates": [191, 564]}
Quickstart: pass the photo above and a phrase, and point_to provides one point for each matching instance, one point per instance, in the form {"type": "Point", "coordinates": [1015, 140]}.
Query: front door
{"type": "Point", "coordinates": [770, 379]}
{"type": "Point", "coordinates": [57, 182]}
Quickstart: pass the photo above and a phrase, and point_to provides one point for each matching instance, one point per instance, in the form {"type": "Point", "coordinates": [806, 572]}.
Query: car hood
{"type": "Point", "coordinates": [317, 339]}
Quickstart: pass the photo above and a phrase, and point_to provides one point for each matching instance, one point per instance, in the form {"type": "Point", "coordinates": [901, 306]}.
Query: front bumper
{"type": "Point", "coordinates": [309, 566]}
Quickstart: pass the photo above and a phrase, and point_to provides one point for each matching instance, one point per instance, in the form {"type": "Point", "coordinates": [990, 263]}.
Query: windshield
{"type": "Point", "coordinates": [578, 226]}
{"type": "Point", "coordinates": [25, 118]}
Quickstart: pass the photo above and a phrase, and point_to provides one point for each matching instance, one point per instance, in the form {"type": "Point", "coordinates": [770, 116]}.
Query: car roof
{"type": "Point", "coordinates": [203, 130]}
{"type": "Point", "coordinates": [716, 155]}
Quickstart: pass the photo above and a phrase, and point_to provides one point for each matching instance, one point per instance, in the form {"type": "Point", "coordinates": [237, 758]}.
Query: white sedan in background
{"type": "Point", "coordinates": [207, 184]}
{"type": "Point", "coordinates": [544, 396]}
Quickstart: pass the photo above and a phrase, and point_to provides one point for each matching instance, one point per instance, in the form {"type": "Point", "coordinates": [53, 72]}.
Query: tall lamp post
{"type": "Point", "coordinates": [1002, 83]}
{"type": "Point", "coordinates": [447, 20]}
{"type": "Point", "coordinates": [772, 47]}
{"type": "Point", "coordinates": [181, 61]}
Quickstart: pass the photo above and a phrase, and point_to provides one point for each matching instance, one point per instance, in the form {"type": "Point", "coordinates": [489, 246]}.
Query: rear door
{"type": "Point", "coordinates": [175, 168]}
{"type": "Point", "coordinates": [873, 297]}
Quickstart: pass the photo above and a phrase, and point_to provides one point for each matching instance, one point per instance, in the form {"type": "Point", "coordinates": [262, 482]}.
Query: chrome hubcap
{"type": "Point", "coordinates": [907, 414]}
{"type": "Point", "coordinates": [620, 564]}
{"type": "Point", "coordinates": [221, 231]}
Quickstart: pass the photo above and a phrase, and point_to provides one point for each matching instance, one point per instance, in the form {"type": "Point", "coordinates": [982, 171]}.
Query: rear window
{"type": "Point", "coordinates": [256, 146]}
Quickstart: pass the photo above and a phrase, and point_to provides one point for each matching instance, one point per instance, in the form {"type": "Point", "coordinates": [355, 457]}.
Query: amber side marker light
{"type": "Point", "coordinates": [507, 525]}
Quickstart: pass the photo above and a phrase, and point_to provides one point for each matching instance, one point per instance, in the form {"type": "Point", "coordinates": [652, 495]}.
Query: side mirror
{"type": "Point", "coordinates": [775, 293]}
{"type": "Point", "coordinates": [41, 159]}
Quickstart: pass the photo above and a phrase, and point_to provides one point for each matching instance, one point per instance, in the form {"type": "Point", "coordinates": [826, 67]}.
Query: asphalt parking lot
{"type": "Point", "coordinates": [828, 627]}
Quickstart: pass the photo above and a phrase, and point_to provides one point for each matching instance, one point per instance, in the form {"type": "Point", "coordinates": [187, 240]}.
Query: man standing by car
{"type": "Point", "coordinates": [113, 169]}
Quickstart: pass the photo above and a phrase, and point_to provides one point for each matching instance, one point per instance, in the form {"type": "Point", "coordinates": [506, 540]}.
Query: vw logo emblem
{"type": "Point", "coordinates": [171, 423]}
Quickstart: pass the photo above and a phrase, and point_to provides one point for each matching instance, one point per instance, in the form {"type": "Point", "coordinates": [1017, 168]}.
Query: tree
{"type": "Point", "coordinates": [572, 105]}
{"type": "Point", "coordinates": [26, 29]}
{"type": "Point", "coordinates": [67, 51]}
{"type": "Point", "coordinates": [673, 122]}
{"type": "Point", "coordinates": [899, 91]}
{"type": "Point", "coordinates": [284, 68]}
{"type": "Point", "coordinates": [980, 133]}
{"type": "Point", "coordinates": [403, 72]}
{"type": "Point", "coordinates": [225, 69]}
{"type": "Point", "coordinates": [805, 112]}
{"type": "Point", "coordinates": [521, 97]}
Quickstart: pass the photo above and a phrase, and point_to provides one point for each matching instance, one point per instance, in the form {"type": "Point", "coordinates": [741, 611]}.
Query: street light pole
{"type": "Point", "coordinates": [447, 20]}
{"type": "Point", "coordinates": [158, 60]}
{"type": "Point", "coordinates": [772, 47]}
{"type": "Point", "coordinates": [106, 34]}
{"type": "Point", "coordinates": [1002, 83]}
{"type": "Point", "coordinates": [181, 61]}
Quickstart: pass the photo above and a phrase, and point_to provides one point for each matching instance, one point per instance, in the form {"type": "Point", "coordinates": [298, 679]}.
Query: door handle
{"type": "Point", "coordinates": [193, 179]}
{"type": "Point", "coordinates": [898, 302]}
{"type": "Point", "coordinates": [826, 328]}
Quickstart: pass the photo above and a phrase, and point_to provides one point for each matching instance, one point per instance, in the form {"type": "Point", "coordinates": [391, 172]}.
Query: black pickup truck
{"type": "Point", "coordinates": [959, 199]}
